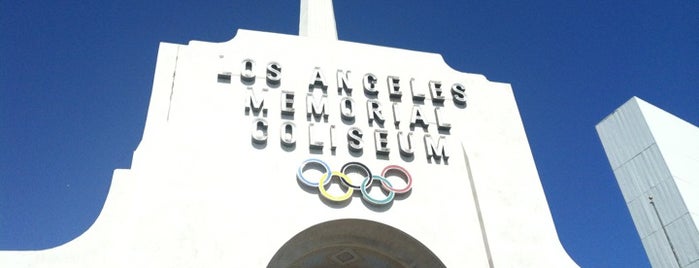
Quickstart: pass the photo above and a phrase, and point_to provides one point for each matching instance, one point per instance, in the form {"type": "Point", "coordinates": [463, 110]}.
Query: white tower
{"type": "Point", "coordinates": [305, 151]}
{"type": "Point", "coordinates": [317, 19]}
{"type": "Point", "coordinates": [655, 158]}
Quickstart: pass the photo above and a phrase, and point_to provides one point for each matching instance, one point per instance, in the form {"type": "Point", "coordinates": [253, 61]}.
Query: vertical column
{"type": "Point", "coordinates": [317, 19]}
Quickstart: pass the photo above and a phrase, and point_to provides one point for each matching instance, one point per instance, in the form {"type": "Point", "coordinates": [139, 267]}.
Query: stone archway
{"type": "Point", "coordinates": [353, 243]}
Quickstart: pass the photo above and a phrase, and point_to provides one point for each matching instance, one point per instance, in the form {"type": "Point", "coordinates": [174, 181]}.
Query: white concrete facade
{"type": "Point", "coordinates": [214, 180]}
{"type": "Point", "coordinates": [655, 154]}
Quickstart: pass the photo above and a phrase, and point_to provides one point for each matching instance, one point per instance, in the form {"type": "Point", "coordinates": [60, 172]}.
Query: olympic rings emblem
{"type": "Point", "coordinates": [355, 167]}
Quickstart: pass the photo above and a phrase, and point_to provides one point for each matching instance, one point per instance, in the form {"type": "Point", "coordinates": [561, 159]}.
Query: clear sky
{"type": "Point", "coordinates": [75, 81]}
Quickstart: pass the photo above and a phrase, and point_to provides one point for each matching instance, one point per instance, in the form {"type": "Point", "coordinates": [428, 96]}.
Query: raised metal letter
{"type": "Point", "coordinates": [381, 141]}
{"type": "Point", "coordinates": [369, 82]}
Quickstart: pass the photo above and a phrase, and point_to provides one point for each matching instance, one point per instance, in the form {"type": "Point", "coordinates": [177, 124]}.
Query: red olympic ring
{"type": "Point", "coordinates": [408, 179]}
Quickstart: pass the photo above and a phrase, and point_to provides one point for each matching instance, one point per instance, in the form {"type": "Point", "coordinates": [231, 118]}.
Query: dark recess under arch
{"type": "Point", "coordinates": [353, 243]}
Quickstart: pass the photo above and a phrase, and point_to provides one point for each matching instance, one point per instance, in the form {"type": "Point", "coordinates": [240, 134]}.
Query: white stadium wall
{"type": "Point", "coordinates": [222, 176]}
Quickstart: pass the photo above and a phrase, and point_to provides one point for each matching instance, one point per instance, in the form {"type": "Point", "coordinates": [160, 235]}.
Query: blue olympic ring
{"type": "Point", "coordinates": [305, 181]}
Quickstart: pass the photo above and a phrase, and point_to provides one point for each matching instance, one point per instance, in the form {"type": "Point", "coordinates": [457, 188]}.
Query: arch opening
{"type": "Point", "coordinates": [354, 243]}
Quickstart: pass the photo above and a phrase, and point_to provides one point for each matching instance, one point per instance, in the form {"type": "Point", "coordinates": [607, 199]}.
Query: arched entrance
{"type": "Point", "coordinates": [353, 243]}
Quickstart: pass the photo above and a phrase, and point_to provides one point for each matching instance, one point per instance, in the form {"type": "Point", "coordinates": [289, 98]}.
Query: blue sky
{"type": "Point", "coordinates": [75, 81]}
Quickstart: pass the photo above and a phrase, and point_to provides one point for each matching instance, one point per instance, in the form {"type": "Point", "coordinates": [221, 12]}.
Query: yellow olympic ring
{"type": "Point", "coordinates": [324, 192]}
